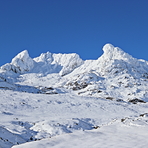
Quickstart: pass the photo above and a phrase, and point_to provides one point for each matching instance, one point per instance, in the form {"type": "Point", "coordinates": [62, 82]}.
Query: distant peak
{"type": "Point", "coordinates": [44, 57]}
{"type": "Point", "coordinates": [108, 48]}
{"type": "Point", "coordinates": [23, 54]}
{"type": "Point", "coordinates": [22, 62]}
{"type": "Point", "coordinates": [111, 52]}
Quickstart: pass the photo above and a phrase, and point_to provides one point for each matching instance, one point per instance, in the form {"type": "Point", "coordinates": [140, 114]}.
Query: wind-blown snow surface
{"type": "Point", "coordinates": [59, 100]}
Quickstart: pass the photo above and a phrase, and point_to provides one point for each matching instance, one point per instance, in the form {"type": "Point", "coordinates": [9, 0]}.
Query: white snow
{"type": "Point", "coordinates": [22, 62]}
{"type": "Point", "coordinates": [111, 52]}
{"type": "Point", "coordinates": [110, 136]}
{"type": "Point", "coordinates": [59, 100]}
{"type": "Point", "coordinates": [56, 63]}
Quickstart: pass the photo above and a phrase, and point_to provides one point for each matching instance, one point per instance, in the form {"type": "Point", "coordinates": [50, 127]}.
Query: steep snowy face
{"type": "Point", "coordinates": [115, 74]}
{"type": "Point", "coordinates": [46, 63]}
{"type": "Point", "coordinates": [68, 62]}
{"type": "Point", "coordinates": [112, 57]}
{"type": "Point", "coordinates": [22, 62]}
{"type": "Point", "coordinates": [44, 58]}
{"type": "Point", "coordinates": [114, 61]}
{"type": "Point", "coordinates": [57, 63]}
{"type": "Point", "coordinates": [112, 53]}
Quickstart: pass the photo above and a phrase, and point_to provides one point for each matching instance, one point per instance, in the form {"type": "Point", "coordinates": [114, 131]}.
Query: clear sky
{"type": "Point", "coordinates": [72, 26]}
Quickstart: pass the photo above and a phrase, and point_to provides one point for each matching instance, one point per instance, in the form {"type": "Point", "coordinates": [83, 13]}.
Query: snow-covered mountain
{"type": "Point", "coordinates": [46, 63]}
{"type": "Point", "coordinates": [55, 94]}
{"type": "Point", "coordinates": [115, 74]}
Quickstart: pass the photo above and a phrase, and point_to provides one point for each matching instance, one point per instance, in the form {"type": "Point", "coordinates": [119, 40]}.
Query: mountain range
{"type": "Point", "coordinates": [55, 94]}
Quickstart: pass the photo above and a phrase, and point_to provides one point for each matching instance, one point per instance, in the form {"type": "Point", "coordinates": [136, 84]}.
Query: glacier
{"type": "Point", "coordinates": [63, 96]}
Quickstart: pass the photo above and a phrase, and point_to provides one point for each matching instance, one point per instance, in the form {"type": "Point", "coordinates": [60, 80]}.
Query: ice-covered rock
{"type": "Point", "coordinates": [22, 62]}
{"type": "Point", "coordinates": [45, 58]}
{"type": "Point", "coordinates": [46, 63]}
{"type": "Point", "coordinates": [57, 63]}
{"type": "Point", "coordinates": [111, 53]}
{"type": "Point", "coordinates": [114, 60]}
{"type": "Point", "coordinates": [68, 62]}
{"type": "Point", "coordinates": [7, 67]}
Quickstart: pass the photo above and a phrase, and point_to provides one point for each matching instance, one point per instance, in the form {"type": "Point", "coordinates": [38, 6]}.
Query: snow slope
{"type": "Point", "coordinates": [38, 116]}
{"type": "Point", "coordinates": [59, 100]}
{"type": "Point", "coordinates": [111, 136]}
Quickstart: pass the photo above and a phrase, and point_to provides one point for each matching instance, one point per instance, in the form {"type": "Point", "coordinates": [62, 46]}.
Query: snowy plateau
{"type": "Point", "coordinates": [62, 101]}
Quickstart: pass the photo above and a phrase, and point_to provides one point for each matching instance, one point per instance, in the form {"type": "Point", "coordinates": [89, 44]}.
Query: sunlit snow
{"type": "Point", "coordinates": [59, 100]}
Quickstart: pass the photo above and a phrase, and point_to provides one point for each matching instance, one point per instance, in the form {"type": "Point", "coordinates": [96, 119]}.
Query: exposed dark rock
{"type": "Point", "coordinates": [135, 101]}
{"type": "Point", "coordinates": [51, 93]}
{"type": "Point", "coordinates": [119, 100]}
{"type": "Point", "coordinates": [49, 88]}
{"type": "Point", "coordinates": [122, 120]}
{"type": "Point", "coordinates": [143, 115]}
{"type": "Point", "coordinates": [109, 98]}
{"type": "Point", "coordinates": [77, 86]}
{"type": "Point", "coordinates": [99, 91]}
{"type": "Point", "coordinates": [145, 75]}
{"type": "Point", "coordinates": [96, 127]}
{"type": "Point", "coordinates": [31, 138]}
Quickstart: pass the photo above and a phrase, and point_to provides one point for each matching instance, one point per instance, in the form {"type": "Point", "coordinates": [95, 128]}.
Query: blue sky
{"type": "Point", "coordinates": [72, 26]}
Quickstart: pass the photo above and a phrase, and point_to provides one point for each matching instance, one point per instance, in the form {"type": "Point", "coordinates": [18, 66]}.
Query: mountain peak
{"type": "Point", "coordinates": [108, 48]}
{"type": "Point", "coordinates": [22, 55]}
{"type": "Point", "coordinates": [111, 53]}
{"type": "Point", "coordinates": [22, 62]}
{"type": "Point", "coordinates": [64, 64]}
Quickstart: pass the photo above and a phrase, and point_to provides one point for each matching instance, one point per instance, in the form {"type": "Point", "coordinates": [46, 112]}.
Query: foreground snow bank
{"type": "Point", "coordinates": [111, 136]}
{"type": "Point", "coordinates": [28, 116]}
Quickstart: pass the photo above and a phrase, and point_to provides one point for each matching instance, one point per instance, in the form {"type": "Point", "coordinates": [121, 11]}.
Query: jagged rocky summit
{"type": "Point", "coordinates": [115, 74]}
{"type": "Point", "coordinates": [45, 63]}
{"type": "Point", "coordinates": [66, 63]}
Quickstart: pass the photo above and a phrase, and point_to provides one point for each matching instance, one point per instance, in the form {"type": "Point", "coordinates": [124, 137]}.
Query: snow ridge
{"type": "Point", "coordinates": [46, 63]}
{"type": "Point", "coordinates": [55, 94]}
{"type": "Point", "coordinates": [20, 63]}
{"type": "Point", "coordinates": [111, 53]}
{"type": "Point", "coordinates": [114, 69]}
{"type": "Point", "coordinates": [57, 63]}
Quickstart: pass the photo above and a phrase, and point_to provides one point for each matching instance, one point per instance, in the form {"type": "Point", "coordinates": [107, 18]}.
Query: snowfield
{"type": "Point", "coordinates": [59, 100]}
{"type": "Point", "coordinates": [107, 137]}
